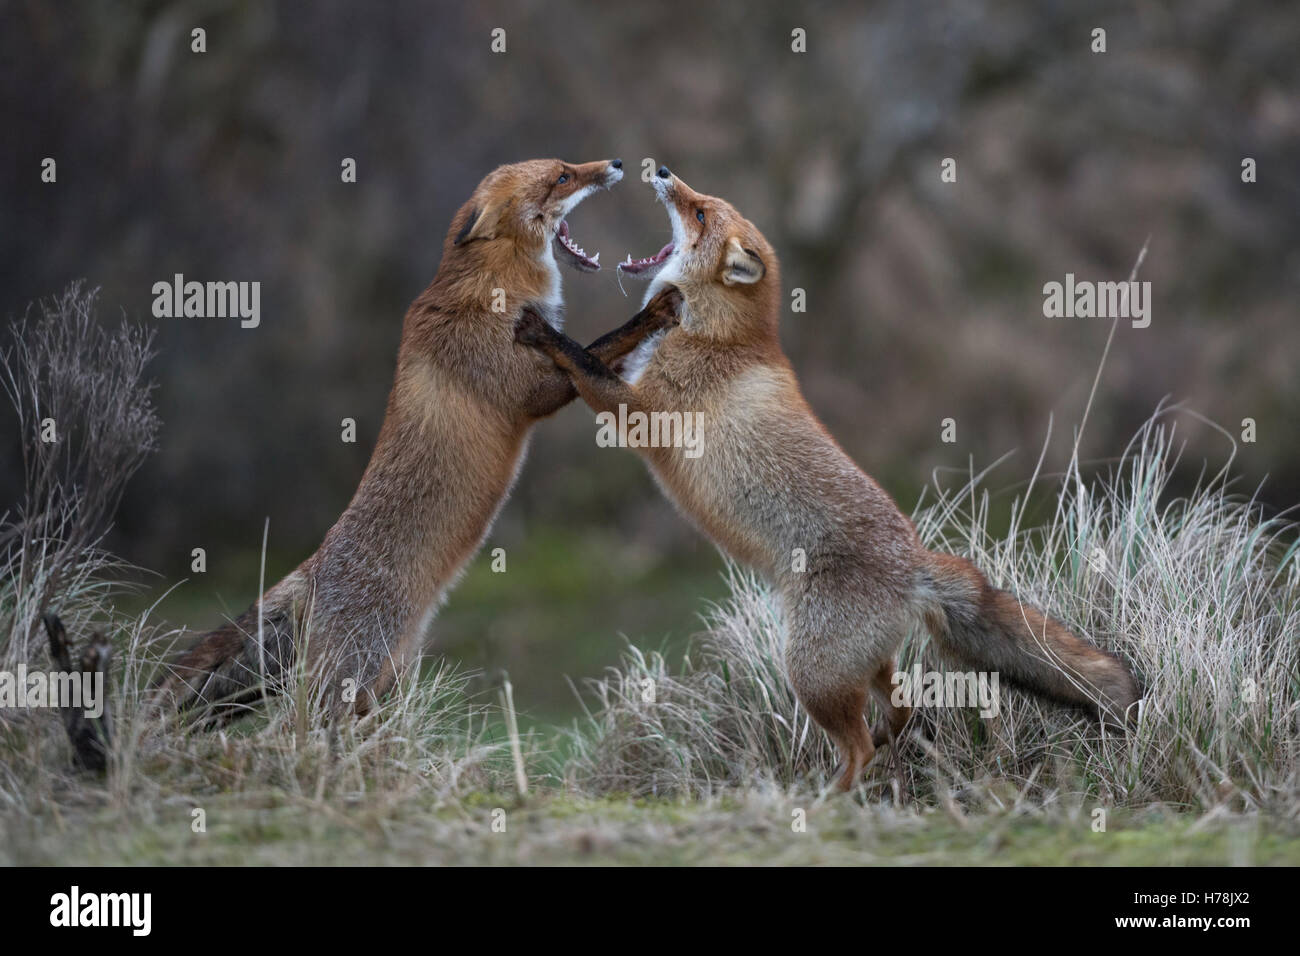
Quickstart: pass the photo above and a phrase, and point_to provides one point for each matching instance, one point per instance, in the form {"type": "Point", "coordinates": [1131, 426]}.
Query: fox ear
{"type": "Point", "coordinates": [480, 224]}
{"type": "Point", "coordinates": [741, 266]}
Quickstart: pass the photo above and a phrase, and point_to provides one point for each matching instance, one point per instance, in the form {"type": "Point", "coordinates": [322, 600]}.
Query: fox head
{"type": "Point", "coordinates": [726, 270]}
{"type": "Point", "coordinates": [523, 207]}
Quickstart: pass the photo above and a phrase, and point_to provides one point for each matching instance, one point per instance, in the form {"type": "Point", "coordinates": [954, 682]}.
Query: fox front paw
{"type": "Point", "coordinates": [666, 307]}
{"type": "Point", "coordinates": [533, 330]}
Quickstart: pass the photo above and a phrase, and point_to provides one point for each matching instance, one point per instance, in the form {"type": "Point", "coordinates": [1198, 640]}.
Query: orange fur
{"type": "Point", "coordinates": [463, 400]}
{"type": "Point", "coordinates": [772, 483]}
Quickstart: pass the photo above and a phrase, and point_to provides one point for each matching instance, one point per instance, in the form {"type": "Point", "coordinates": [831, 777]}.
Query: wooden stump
{"type": "Point", "coordinates": [91, 737]}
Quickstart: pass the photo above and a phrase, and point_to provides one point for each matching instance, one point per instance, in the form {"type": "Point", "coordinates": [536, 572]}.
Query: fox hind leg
{"type": "Point", "coordinates": [895, 716]}
{"type": "Point", "coordinates": [841, 714]}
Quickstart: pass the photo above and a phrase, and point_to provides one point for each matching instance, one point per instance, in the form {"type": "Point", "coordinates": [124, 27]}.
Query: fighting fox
{"type": "Point", "coordinates": [454, 436]}
{"type": "Point", "coordinates": [772, 481]}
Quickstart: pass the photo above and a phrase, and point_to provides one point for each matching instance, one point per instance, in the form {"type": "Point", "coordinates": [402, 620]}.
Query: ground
{"type": "Point", "coordinates": [551, 828]}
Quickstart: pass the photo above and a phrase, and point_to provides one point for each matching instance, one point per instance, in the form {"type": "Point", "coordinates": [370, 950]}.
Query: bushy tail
{"type": "Point", "coordinates": [983, 627]}
{"type": "Point", "coordinates": [228, 668]}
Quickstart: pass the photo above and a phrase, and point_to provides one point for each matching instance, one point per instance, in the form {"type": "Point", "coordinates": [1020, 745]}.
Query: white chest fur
{"type": "Point", "coordinates": [635, 364]}
{"type": "Point", "coordinates": [552, 304]}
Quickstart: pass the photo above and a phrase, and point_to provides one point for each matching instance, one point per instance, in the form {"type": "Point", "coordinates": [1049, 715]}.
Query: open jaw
{"type": "Point", "coordinates": [573, 253]}
{"type": "Point", "coordinates": [648, 267]}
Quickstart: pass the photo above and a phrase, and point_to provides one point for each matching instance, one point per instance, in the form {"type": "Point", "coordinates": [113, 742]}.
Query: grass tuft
{"type": "Point", "coordinates": [1200, 594]}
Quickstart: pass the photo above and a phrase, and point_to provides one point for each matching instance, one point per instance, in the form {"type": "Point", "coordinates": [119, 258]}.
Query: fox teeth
{"type": "Point", "coordinates": [596, 257]}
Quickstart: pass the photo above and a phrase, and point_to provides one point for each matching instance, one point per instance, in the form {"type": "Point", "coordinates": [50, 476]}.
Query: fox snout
{"type": "Point", "coordinates": [602, 172]}
{"type": "Point", "coordinates": [663, 182]}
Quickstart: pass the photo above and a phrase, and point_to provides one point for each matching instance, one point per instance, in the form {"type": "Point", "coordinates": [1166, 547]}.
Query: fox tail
{"type": "Point", "coordinates": [984, 627]}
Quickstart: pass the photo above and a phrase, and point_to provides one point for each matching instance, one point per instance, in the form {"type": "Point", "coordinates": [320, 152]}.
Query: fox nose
{"type": "Point", "coordinates": [664, 172]}
{"type": "Point", "coordinates": [616, 163]}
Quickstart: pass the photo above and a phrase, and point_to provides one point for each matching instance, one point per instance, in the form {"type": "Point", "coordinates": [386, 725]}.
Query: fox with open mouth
{"type": "Point", "coordinates": [772, 484]}
{"type": "Point", "coordinates": [454, 436]}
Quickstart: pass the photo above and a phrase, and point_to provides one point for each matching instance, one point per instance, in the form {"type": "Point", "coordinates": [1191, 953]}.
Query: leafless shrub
{"type": "Point", "coordinates": [86, 422]}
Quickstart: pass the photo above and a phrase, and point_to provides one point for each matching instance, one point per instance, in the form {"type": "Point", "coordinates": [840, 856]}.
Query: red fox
{"type": "Point", "coordinates": [770, 482]}
{"type": "Point", "coordinates": [453, 438]}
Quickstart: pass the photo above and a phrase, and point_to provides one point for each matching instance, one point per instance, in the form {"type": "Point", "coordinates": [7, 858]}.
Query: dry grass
{"type": "Point", "coordinates": [63, 365]}
{"type": "Point", "coordinates": [1201, 594]}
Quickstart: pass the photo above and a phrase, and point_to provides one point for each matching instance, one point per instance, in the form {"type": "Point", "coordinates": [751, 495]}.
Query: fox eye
{"type": "Point", "coordinates": [564, 178]}
{"type": "Point", "coordinates": [699, 214]}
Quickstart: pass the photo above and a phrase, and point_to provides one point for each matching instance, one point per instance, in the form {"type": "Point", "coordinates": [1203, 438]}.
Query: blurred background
{"type": "Point", "coordinates": [924, 298]}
